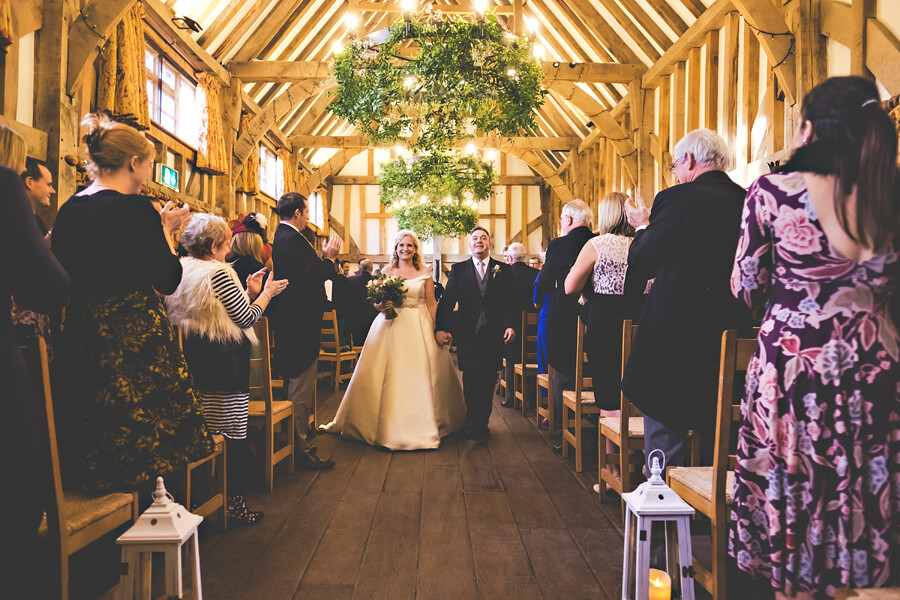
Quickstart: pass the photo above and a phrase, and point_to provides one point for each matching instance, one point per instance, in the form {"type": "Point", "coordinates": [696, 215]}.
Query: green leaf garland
{"type": "Point", "coordinates": [463, 76]}
{"type": "Point", "coordinates": [438, 194]}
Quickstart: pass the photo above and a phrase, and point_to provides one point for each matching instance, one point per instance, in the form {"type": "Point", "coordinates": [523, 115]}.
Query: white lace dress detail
{"type": "Point", "coordinates": [612, 263]}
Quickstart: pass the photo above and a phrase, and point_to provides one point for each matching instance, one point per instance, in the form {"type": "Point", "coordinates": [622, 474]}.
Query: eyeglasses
{"type": "Point", "coordinates": [674, 163]}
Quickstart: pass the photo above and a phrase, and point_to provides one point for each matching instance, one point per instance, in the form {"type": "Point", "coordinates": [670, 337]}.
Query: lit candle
{"type": "Point", "coordinates": [660, 585]}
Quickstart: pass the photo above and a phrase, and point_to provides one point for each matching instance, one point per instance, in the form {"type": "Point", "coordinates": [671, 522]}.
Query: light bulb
{"type": "Point", "coordinates": [538, 51]}
{"type": "Point", "coordinates": [423, 200]}
{"type": "Point", "coordinates": [448, 200]}
{"type": "Point", "coordinates": [530, 25]}
{"type": "Point", "coordinates": [480, 6]}
{"type": "Point", "coordinates": [351, 22]}
{"type": "Point", "coordinates": [337, 47]}
{"type": "Point", "coordinates": [407, 5]}
{"type": "Point", "coordinates": [491, 155]}
{"type": "Point", "coordinates": [511, 73]}
{"type": "Point", "coordinates": [409, 82]}
{"type": "Point", "coordinates": [470, 148]}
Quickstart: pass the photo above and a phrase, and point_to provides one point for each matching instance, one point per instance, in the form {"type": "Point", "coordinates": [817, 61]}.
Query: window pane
{"type": "Point", "coordinates": [168, 76]}
{"type": "Point", "coordinates": [151, 98]}
{"type": "Point", "coordinates": [279, 177]}
{"type": "Point", "coordinates": [150, 61]}
{"type": "Point", "coordinates": [188, 120]}
{"type": "Point", "coordinates": [167, 121]}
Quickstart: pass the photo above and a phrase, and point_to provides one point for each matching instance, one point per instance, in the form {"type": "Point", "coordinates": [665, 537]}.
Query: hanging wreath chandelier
{"type": "Point", "coordinates": [435, 80]}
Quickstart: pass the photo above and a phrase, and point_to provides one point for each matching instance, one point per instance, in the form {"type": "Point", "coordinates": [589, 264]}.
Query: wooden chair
{"type": "Point", "coordinates": [219, 499]}
{"type": "Point", "coordinates": [331, 351]}
{"type": "Point", "coordinates": [625, 431]}
{"type": "Point", "coordinates": [73, 519]}
{"type": "Point", "coordinates": [580, 402]}
{"type": "Point", "coordinates": [709, 489]}
{"type": "Point", "coordinates": [544, 403]}
{"type": "Point", "coordinates": [525, 371]}
{"type": "Point", "coordinates": [266, 413]}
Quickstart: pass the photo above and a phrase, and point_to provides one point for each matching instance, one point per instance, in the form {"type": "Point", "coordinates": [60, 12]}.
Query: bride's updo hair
{"type": "Point", "coordinates": [417, 257]}
{"type": "Point", "coordinates": [111, 145]}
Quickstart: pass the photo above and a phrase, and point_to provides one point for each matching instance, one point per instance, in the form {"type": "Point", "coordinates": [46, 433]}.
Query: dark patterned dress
{"type": "Point", "coordinates": [817, 484]}
{"type": "Point", "coordinates": [128, 409]}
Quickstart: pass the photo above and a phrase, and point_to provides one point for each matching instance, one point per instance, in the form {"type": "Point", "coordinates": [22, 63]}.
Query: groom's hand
{"type": "Point", "coordinates": [442, 338]}
{"type": "Point", "coordinates": [509, 335]}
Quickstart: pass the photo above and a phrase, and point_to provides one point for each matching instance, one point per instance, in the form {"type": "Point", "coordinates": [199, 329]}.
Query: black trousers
{"type": "Point", "coordinates": [478, 390]}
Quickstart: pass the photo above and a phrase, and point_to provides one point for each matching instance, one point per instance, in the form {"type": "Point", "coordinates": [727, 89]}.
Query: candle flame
{"type": "Point", "coordinates": [657, 582]}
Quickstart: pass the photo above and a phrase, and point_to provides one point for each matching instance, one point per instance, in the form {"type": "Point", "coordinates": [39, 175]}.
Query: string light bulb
{"type": "Point", "coordinates": [511, 73]}
{"type": "Point", "coordinates": [407, 6]}
{"type": "Point", "coordinates": [480, 6]}
{"type": "Point", "coordinates": [409, 82]}
{"type": "Point", "coordinates": [337, 47]}
{"type": "Point", "coordinates": [530, 25]}
{"type": "Point", "coordinates": [350, 21]}
{"type": "Point", "coordinates": [491, 155]}
{"type": "Point", "coordinates": [538, 51]}
{"type": "Point", "coordinates": [423, 200]}
{"type": "Point", "coordinates": [470, 148]}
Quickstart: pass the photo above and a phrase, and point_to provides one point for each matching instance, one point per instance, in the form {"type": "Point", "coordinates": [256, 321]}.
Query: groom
{"type": "Point", "coordinates": [481, 287]}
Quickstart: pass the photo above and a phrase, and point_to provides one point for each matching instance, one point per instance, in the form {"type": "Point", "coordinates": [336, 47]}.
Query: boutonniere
{"type": "Point", "coordinates": [495, 271]}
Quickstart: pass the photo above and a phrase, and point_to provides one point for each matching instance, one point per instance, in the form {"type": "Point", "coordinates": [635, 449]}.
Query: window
{"type": "Point", "coordinates": [176, 102]}
{"type": "Point", "coordinates": [271, 172]}
{"type": "Point", "coordinates": [316, 215]}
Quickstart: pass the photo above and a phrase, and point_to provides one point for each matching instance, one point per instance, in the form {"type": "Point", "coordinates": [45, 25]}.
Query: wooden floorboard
{"type": "Point", "coordinates": [506, 518]}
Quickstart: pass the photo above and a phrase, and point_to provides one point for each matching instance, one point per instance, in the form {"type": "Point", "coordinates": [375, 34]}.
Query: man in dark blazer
{"type": "Point", "coordinates": [576, 220]}
{"type": "Point", "coordinates": [38, 282]}
{"type": "Point", "coordinates": [482, 289]}
{"type": "Point", "coordinates": [523, 278]}
{"type": "Point", "coordinates": [364, 311]}
{"type": "Point", "coordinates": [297, 313]}
{"type": "Point", "coordinates": [688, 244]}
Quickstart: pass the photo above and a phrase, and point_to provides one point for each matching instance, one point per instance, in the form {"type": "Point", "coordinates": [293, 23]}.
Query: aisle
{"type": "Point", "coordinates": [501, 519]}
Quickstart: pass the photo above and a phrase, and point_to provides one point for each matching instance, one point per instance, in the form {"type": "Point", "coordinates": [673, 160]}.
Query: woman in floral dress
{"type": "Point", "coordinates": [817, 483]}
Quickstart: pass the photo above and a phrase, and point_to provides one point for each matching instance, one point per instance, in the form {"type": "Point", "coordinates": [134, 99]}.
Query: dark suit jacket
{"type": "Point", "coordinates": [363, 311]}
{"type": "Point", "coordinates": [689, 248]}
{"type": "Point", "coordinates": [523, 278]}
{"type": "Point", "coordinates": [297, 311]}
{"type": "Point", "coordinates": [38, 282]}
{"type": "Point", "coordinates": [462, 287]}
{"type": "Point", "coordinates": [564, 310]}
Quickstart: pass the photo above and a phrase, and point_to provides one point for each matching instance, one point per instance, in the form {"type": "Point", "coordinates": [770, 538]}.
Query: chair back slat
{"type": "Point", "coordinates": [528, 337]}
{"type": "Point", "coordinates": [261, 368]}
{"type": "Point", "coordinates": [734, 358]}
{"type": "Point", "coordinates": [330, 341]}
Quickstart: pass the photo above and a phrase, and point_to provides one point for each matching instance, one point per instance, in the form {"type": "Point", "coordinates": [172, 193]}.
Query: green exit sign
{"type": "Point", "coordinates": [168, 177]}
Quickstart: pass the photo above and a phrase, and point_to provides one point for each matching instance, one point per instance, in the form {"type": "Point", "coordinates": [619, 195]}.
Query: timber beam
{"type": "Point", "coordinates": [288, 71]}
{"type": "Point", "coordinates": [776, 39]}
{"type": "Point", "coordinates": [374, 180]}
{"type": "Point", "coordinates": [558, 144]}
{"type": "Point", "coordinates": [397, 7]}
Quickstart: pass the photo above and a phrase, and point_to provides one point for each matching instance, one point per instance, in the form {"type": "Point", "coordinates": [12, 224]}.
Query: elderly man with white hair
{"type": "Point", "coordinates": [576, 220]}
{"type": "Point", "coordinates": [523, 278]}
{"type": "Point", "coordinates": [688, 244]}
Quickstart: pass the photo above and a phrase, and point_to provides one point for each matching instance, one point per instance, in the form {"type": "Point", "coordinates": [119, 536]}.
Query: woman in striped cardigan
{"type": "Point", "coordinates": [216, 317]}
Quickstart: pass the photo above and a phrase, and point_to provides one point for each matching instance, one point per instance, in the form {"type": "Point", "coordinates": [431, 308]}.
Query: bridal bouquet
{"type": "Point", "coordinates": [386, 288]}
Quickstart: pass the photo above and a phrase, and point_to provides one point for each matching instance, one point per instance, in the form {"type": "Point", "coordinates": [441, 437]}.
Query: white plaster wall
{"type": "Point", "coordinates": [25, 87]}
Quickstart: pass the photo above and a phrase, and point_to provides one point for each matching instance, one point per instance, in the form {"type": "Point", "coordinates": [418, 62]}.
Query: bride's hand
{"type": "Point", "coordinates": [383, 306]}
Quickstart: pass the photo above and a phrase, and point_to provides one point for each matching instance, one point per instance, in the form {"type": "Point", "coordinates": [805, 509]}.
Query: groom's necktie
{"type": "Point", "coordinates": [480, 270]}
{"type": "Point", "coordinates": [482, 285]}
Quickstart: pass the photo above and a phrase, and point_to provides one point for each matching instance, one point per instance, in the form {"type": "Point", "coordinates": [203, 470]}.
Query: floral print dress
{"type": "Point", "coordinates": [817, 484]}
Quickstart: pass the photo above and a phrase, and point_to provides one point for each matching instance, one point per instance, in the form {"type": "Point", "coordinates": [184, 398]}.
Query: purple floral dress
{"type": "Point", "coordinates": [817, 486]}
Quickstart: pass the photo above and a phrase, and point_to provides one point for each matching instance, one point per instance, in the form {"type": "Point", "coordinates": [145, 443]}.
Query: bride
{"type": "Point", "coordinates": [405, 393]}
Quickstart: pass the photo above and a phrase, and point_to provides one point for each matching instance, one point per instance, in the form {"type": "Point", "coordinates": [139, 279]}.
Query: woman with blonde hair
{"type": "Point", "coordinates": [613, 297]}
{"type": "Point", "coordinates": [405, 393]}
{"type": "Point", "coordinates": [216, 317]}
{"type": "Point", "coordinates": [129, 409]}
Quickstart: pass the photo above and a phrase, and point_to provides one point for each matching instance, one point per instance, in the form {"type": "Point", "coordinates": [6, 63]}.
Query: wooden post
{"type": "Point", "coordinates": [728, 124]}
{"type": "Point", "coordinates": [642, 117]}
{"type": "Point", "coordinates": [861, 11]}
{"type": "Point", "coordinates": [230, 103]}
{"type": "Point", "coordinates": [711, 98]}
{"type": "Point", "coordinates": [693, 90]}
{"type": "Point", "coordinates": [749, 93]}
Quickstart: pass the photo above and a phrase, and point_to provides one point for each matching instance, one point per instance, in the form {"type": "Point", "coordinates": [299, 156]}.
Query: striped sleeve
{"type": "Point", "coordinates": [232, 297]}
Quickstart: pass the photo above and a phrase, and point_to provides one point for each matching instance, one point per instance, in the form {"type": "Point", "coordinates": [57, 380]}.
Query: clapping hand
{"type": "Point", "coordinates": [637, 212]}
{"type": "Point", "coordinates": [273, 287]}
{"type": "Point", "coordinates": [172, 218]}
{"type": "Point", "coordinates": [332, 247]}
{"type": "Point", "coordinates": [254, 283]}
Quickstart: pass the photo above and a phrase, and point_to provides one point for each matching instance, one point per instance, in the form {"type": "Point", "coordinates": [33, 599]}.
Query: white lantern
{"type": "Point", "coordinates": [164, 527]}
{"type": "Point", "coordinates": [655, 502]}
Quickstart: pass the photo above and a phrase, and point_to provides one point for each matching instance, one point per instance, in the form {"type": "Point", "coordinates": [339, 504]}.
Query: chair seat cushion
{"type": "Point", "coordinates": [345, 354]}
{"type": "Point", "coordinates": [700, 480]}
{"type": "Point", "coordinates": [257, 408]}
{"type": "Point", "coordinates": [530, 368]}
{"type": "Point", "coordinates": [635, 426]}
{"type": "Point", "coordinates": [587, 397]}
{"type": "Point", "coordinates": [82, 511]}
{"type": "Point", "coordinates": [543, 379]}
{"type": "Point", "coordinates": [219, 440]}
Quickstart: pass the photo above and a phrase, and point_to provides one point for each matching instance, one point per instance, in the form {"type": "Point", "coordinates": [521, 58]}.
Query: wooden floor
{"type": "Point", "coordinates": [505, 518]}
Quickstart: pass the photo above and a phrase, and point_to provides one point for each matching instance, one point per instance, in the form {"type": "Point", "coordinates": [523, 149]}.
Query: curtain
{"type": "Point", "coordinates": [6, 32]}
{"type": "Point", "coordinates": [122, 81]}
{"type": "Point", "coordinates": [248, 181]}
{"type": "Point", "coordinates": [211, 155]}
{"type": "Point", "coordinates": [288, 169]}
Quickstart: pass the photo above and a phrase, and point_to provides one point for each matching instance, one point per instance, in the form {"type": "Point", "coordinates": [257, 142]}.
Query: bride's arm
{"type": "Point", "coordinates": [430, 300]}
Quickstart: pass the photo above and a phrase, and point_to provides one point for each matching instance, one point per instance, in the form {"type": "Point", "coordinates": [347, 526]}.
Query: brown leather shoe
{"type": "Point", "coordinates": [309, 460]}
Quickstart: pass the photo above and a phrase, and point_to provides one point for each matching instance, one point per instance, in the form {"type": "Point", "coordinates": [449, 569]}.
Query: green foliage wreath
{"type": "Point", "coordinates": [438, 194]}
{"type": "Point", "coordinates": [440, 78]}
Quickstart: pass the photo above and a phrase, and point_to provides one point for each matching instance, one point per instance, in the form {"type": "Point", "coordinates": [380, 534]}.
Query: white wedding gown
{"type": "Point", "coordinates": [405, 393]}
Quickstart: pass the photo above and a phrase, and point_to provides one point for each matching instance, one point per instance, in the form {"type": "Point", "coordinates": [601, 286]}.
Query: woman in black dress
{"type": "Point", "coordinates": [130, 412]}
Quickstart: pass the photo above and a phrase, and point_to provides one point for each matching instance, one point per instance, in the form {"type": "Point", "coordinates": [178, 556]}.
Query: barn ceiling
{"type": "Point", "coordinates": [633, 32]}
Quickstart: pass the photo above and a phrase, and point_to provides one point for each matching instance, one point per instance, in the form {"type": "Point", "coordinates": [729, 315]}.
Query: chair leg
{"type": "Point", "coordinates": [601, 464]}
{"type": "Point", "coordinates": [270, 451]}
{"type": "Point", "coordinates": [719, 568]}
{"type": "Point", "coordinates": [578, 434]}
{"type": "Point", "coordinates": [290, 428]}
{"type": "Point", "coordinates": [565, 430]}
{"type": "Point", "coordinates": [222, 483]}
